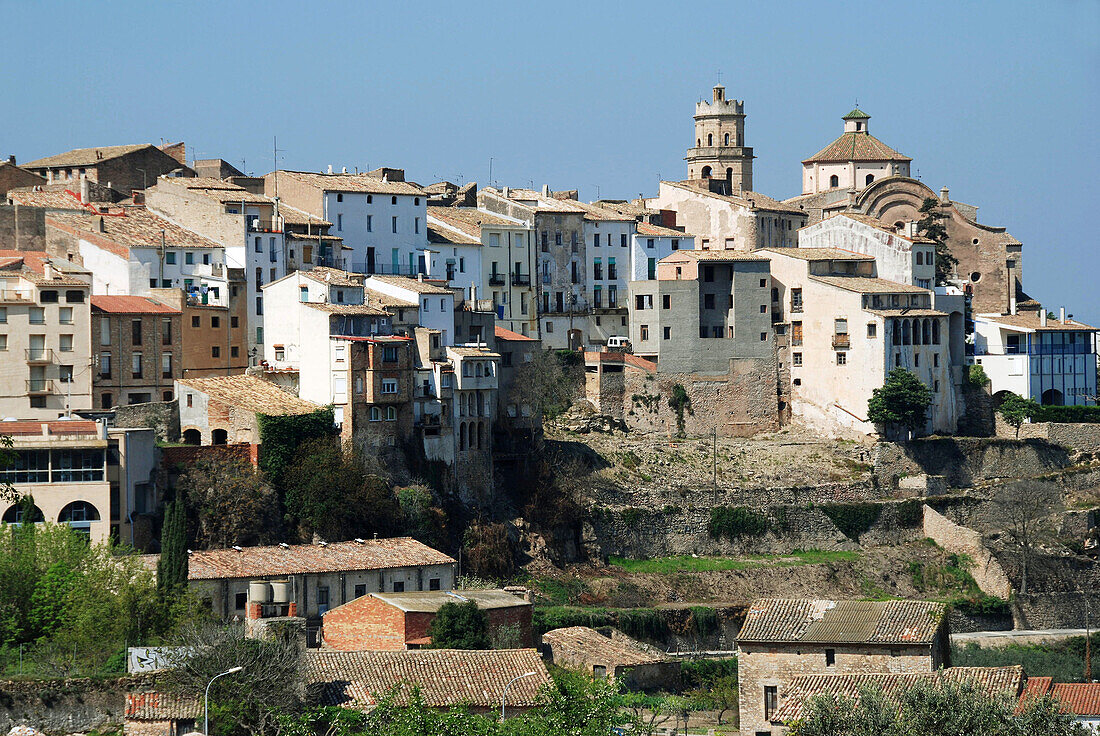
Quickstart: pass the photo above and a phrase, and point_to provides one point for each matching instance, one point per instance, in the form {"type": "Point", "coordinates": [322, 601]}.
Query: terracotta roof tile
{"type": "Point", "coordinates": [1002, 682]}
{"type": "Point", "coordinates": [445, 677]}
{"type": "Point", "coordinates": [1030, 321]}
{"type": "Point", "coordinates": [352, 183]}
{"type": "Point", "coordinates": [853, 146]}
{"type": "Point", "coordinates": [47, 197]}
{"type": "Point", "coordinates": [821, 254]}
{"type": "Point", "coordinates": [645, 228]}
{"type": "Point", "coordinates": [503, 334]}
{"type": "Point", "coordinates": [31, 265]}
{"type": "Point", "coordinates": [719, 255]}
{"type": "Point", "coordinates": [333, 276]}
{"type": "Point", "coordinates": [622, 650]}
{"type": "Point", "coordinates": [162, 707]}
{"type": "Point", "coordinates": [371, 554]}
{"type": "Point", "coordinates": [251, 393]}
{"type": "Point", "coordinates": [868, 285]}
{"type": "Point", "coordinates": [85, 156]}
{"type": "Point", "coordinates": [1078, 697]}
{"type": "Point", "coordinates": [425, 601]}
{"type": "Point", "coordinates": [421, 287]}
{"type": "Point", "coordinates": [752, 200]}
{"type": "Point", "coordinates": [129, 305]}
{"type": "Point", "coordinates": [137, 227]}
{"type": "Point", "coordinates": [347, 308]}
{"type": "Point", "coordinates": [55, 427]}
{"type": "Point", "coordinates": [826, 621]}
{"type": "Point", "coordinates": [443, 235]}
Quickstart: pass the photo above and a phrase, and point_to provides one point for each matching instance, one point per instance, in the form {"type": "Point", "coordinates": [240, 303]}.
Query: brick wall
{"type": "Point", "coordinates": [365, 623]}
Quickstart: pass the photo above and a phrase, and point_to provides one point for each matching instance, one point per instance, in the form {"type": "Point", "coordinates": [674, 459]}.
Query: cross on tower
{"type": "Point", "coordinates": [719, 76]}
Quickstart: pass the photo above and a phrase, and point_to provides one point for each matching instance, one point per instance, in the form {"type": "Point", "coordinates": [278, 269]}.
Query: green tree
{"type": "Point", "coordinates": [283, 435]}
{"type": "Point", "coordinates": [679, 402]}
{"type": "Point", "coordinates": [548, 383]}
{"type": "Point", "coordinates": [421, 518]}
{"type": "Point", "coordinates": [931, 226]}
{"type": "Point", "coordinates": [1015, 409]}
{"type": "Point", "coordinates": [902, 401]}
{"type": "Point", "coordinates": [172, 565]}
{"type": "Point", "coordinates": [460, 626]}
{"type": "Point", "coordinates": [8, 493]}
{"type": "Point", "coordinates": [52, 598]}
{"type": "Point", "coordinates": [229, 503]}
{"type": "Point", "coordinates": [330, 494]}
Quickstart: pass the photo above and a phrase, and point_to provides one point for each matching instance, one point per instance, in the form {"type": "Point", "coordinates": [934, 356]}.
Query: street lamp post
{"type": "Point", "coordinates": [504, 694]}
{"type": "Point", "coordinates": [206, 699]}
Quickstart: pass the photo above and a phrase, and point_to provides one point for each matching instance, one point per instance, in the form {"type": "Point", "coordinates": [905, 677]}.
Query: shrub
{"type": "Point", "coordinates": [460, 626]}
{"type": "Point", "coordinates": [977, 376]}
{"type": "Point", "coordinates": [704, 620]}
{"type": "Point", "coordinates": [853, 519]}
{"type": "Point", "coordinates": [1068, 414]}
{"type": "Point", "coordinates": [735, 522]}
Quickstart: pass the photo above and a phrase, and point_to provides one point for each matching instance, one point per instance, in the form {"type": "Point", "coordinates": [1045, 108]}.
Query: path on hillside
{"type": "Point", "coordinates": [1019, 636]}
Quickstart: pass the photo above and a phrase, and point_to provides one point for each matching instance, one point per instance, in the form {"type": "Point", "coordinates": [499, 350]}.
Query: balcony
{"type": "Point", "coordinates": [39, 386]}
{"type": "Point", "coordinates": [841, 342]}
{"type": "Point", "coordinates": [16, 296]}
{"type": "Point", "coordinates": [496, 279]}
{"type": "Point", "coordinates": [519, 279]}
{"type": "Point", "coordinates": [260, 225]}
{"type": "Point", "coordinates": [39, 355]}
{"type": "Point", "coordinates": [796, 308]}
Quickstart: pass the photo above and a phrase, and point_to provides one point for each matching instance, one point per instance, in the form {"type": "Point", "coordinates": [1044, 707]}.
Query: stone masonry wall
{"type": "Point", "coordinates": [161, 416]}
{"type": "Point", "coordinates": [1078, 436]}
{"type": "Point", "coordinates": [23, 228]}
{"type": "Point", "coordinates": [62, 706]}
{"type": "Point", "coordinates": [966, 461]}
{"type": "Point", "coordinates": [987, 571]}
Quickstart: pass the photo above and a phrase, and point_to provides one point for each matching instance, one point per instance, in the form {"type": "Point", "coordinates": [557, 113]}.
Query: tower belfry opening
{"type": "Point", "coordinates": [720, 156]}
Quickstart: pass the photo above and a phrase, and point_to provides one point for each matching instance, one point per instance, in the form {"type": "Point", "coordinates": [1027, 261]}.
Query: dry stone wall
{"type": "Point", "coordinates": [965, 461]}
{"type": "Point", "coordinates": [62, 706]}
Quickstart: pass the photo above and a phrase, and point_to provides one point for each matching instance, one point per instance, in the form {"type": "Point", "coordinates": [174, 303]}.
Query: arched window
{"type": "Point", "coordinates": [480, 434]}
{"type": "Point", "coordinates": [727, 139]}
{"type": "Point", "coordinates": [17, 515]}
{"type": "Point", "coordinates": [926, 332]}
{"type": "Point", "coordinates": [710, 139]}
{"type": "Point", "coordinates": [698, 143]}
{"type": "Point", "coordinates": [870, 178]}
{"type": "Point", "coordinates": [895, 332]}
{"type": "Point", "coordinates": [462, 436]}
{"type": "Point", "coordinates": [477, 370]}
{"type": "Point", "coordinates": [834, 181]}
{"type": "Point", "coordinates": [219, 437]}
{"type": "Point", "coordinates": [375, 414]}
{"type": "Point", "coordinates": [706, 172]}
{"type": "Point", "coordinates": [192, 437]}
{"type": "Point", "coordinates": [391, 413]}
{"type": "Point", "coordinates": [79, 515]}
{"type": "Point", "coordinates": [935, 332]}
{"type": "Point", "coordinates": [916, 332]}
{"type": "Point", "coordinates": [393, 200]}
{"type": "Point", "coordinates": [906, 339]}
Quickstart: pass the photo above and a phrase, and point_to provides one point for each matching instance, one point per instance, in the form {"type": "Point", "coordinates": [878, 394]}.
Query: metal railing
{"type": "Point", "coordinates": [841, 341]}
{"type": "Point", "coordinates": [39, 386]}
{"type": "Point", "coordinates": [39, 355]}
{"type": "Point", "coordinates": [519, 279]}
{"type": "Point", "coordinates": [496, 279]}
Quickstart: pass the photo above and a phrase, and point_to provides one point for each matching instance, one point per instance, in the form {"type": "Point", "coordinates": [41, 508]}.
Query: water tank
{"type": "Point", "coordinates": [259, 591]}
{"type": "Point", "coordinates": [280, 591]}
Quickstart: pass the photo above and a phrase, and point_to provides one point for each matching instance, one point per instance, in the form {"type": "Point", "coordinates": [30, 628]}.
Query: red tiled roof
{"type": "Point", "coordinates": [503, 334]}
{"type": "Point", "coordinates": [842, 622]}
{"type": "Point", "coordinates": [991, 681]}
{"type": "Point", "coordinates": [853, 146]}
{"type": "Point", "coordinates": [1082, 699]}
{"type": "Point", "coordinates": [161, 707]}
{"type": "Point", "coordinates": [595, 647]}
{"type": "Point", "coordinates": [129, 305]}
{"type": "Point", "coordinates": [56, 427]}
{"type": "Point", "coordinates": [445, 677]}
{"type": "Point", "coordinates": [249, 562]}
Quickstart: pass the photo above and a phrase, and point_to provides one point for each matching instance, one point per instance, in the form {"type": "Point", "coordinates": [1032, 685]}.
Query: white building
{"type": "Point", "coordinates": [650, 244]}
{"type": "Point", "coordinates": [1052, 361]}
{"type": "Point", "coordinates": [846, 329]}
{"type": "Point", "coordinates": [131, 250]}
{"type": "Point", "coordinates": [45, 336]}
{"type": "Point", "coordinates": [900, 255]}
{"type": "Point", "coordinates": [854, 161]}
{"type": "Point", "coordinates": [435, 305]}
{"type": "Point", "coordinates": [248, 226]}
{"type": "Point", "coordinates": [382, 219]}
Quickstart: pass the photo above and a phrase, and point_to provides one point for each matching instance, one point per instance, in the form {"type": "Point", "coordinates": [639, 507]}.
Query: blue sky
{"type": "Point", "coordinates": [998, 101]}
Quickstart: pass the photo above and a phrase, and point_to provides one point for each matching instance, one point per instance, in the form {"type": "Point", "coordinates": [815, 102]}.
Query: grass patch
{"type": "Point", "coordinates": [686, 563]}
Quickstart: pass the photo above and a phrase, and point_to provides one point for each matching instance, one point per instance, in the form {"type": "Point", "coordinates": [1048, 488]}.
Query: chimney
{"type": "Point", "coordinates": [100, 225]}
{"type": "Point", "coordinates": [1042, 317]}
{"type": "Point", "coordinates": [84, 188]}
{"type": "Point", "coordinates": [505, 192]}
{"type": "Point", "coordinates": [944, 199]}
{"type": "Point", "coordinates": [1012, 305]}
{"type": "Point", "coordinates": [11, 159]}
{"type": "Point", "coordinates": [1062, 315]}
{"type": "Point", "coordinates": [420, 277]}
{"type": "Point", "coordinates": [330, 168]}
{"type": "Point", "coordinates": [49, 176]}
{"type": "Point", "coordinates": [546, 190]}
{"type": "Point", "coordinates": [344, 170]}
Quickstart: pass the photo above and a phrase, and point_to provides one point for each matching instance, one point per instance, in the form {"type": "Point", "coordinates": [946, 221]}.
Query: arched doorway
{"type": "Point", "coordinates": [706, 172]}
{"type": "Point", "coordinates": [1052, 397]}
{"type": "Point", "coordinates": [219, 437]}
{"type": "Point", "coordinates": [192, 437]}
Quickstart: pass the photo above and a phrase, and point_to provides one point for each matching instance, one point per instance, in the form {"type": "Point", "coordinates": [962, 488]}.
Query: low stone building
{"type": "Point", "coordinates": [320, 576]}
{"type": "Point", "coordinates": [444, 678]}
{"type": "Point", "coordinates": [395, 621]}
{"type": "Point", "coordinates": [125, 168]}
{"type": "Point", "coordinates": [612, 655]}
{"type": "Point", "coordinates": [783, 639]}
{"type": "Point", "coordinates": [161, 714]}
{"type": "Point", "coordinates": [223, 409]}
{"type": "Point", "coordinates": [996, 683]}
{"type": "Point", "coordinates": [138, 349]}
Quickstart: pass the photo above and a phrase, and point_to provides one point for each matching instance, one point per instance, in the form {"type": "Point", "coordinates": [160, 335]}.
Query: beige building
{"type": "Point", "coordinates": [123, 168]}
{"type": "Point", "coordinates": [224, 409]}
{"type": "Point", "coordinates": [783, 639]}
{"type": "Point", "coordinates": [853, 161]}
{"type": "Point", "coordinates": [844, 329]}
{"type": "Point", "coordinates": [719, 155]}
{"type": "Point", "coordinates": [45, 344]}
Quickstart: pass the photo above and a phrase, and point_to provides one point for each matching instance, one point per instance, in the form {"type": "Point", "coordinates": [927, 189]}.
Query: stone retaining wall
{"type": "Point", "coordinates": [1084, 437]}
{"type": "Point", "coordinates": [62, 706]}
{"type": "Point", "coordinates": [965, 461]}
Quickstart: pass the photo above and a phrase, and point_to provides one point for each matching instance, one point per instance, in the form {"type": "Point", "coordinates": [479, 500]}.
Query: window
{"type": "Point", "coordinates": [920, 258]}
{"type": "Point", "coordinates": [234, 322]}
{"type": "Point", "coordinates": [135, 331]}
{"type": "Point", "coordinates": [106, 401]}
{"type": "Point", "coordinates": [65, 373]}
{"type": "Point", "coordinates": [48, 297]}
{"type": "Point", "coordinates": [375, 414]}
{"type": "Point", "coordinates": [708, 273]}
{"type": "Point", "coordinates": [37, 316]}
{"type": "Point", "coordinates": [259, 305]}
{"type": "Point", "coordinates": [649, 243]}
{"type": "Point", "coordinates": [104, 365]}
{"type": "Point", "coordinates": [65, 315]}
{"type": "Point", "coordinates": [391, 413]}
{"type": "Point", "coordinates": [644, 332]}
{"type": "Point", "coordinates": [433, 583]}
{"type": "Point", "coordinates": [257, 246]}
{"type": "Point", "coordinates": [189, 258]}
{"type": "Point", "coordinates": [370, 224]}
{"type": "Point", "coordinates": [597, 269]}
{"type": "Point", "coordinates": [622, 240]}
{"type": "Point", "coordinates": [339, 222]}
{"type": "Point", "coordinates": [135, 367]}
{"type": "Point", "coordinates": [830, 657]}
{"type": "Point", "coordinates": [322, 597]}
{"type": "Point", "coordinates": [771, 701]}
{"type": "Point", "coordinates": [393, 223]}
{"type": "Point", "coordinates": [676, 244]}
{"type": "Point", "coordinates": [339, 197]}
{"type": "Point", "coordinates": [399, 587]}
{"type": "Point", "coordinates": [763, 335]}
{"type": "Point", "coordinates": [796, 359]}
{"type": "Point", "coordinates": [763, 308]}
{"type": "Point", "coordinates": [360, 590]}
{"type": "Point", "coordinates": [796, 333]}
{"type": "Point", "coordinates": [872, 329]}
{"type": "Point", "coordinates": [416, 224]}
{"type": "Point", "coordinates": [370, 199]}
{"type": "Point", "coordinates": [668, 333]}
{"type": "Point", "coordinates": [840, 326]}
{"type": "Point", "coordinates": [796, 300]}
{"type": "Point", "coordinates": [834, 181]}
{"type": "Point", "coordinates": [215, 351]}
{"type": "Point", "coordinates": [393, 200]}
{"type": "Point", "coordinates": [166, 365]}
{"type": "Point", "coordinates": [870, 177]}
{"type": "Point", "coordinates": [842, 358]}
{"type": "Point", "coordinates": [65, 343]}
{"type": "Point", "coordinates": [3, 314]}
{"type": "Point", "coordinates": [280, 352]}
{"type": "Point", "coordinates": [3, 342]}
{"type": "Point", "coordinates": [708, 301]}
{"type": "Point", "coordinates": [389, 385]}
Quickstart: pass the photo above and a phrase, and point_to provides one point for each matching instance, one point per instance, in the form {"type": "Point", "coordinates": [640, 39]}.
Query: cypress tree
{"type": "Point", "coordinates": [172, 566]}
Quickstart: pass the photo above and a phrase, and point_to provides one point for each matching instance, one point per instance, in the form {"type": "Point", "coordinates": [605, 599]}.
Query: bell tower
{"type": "Point", "coordinates": [720, 156]}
